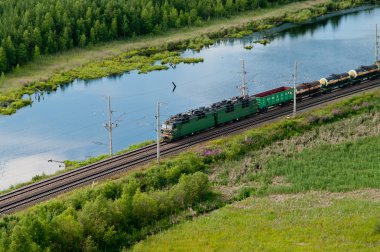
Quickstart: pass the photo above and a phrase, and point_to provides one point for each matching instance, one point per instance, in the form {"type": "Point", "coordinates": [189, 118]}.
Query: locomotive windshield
{"type": "Point", "coordinates": [167, 126]}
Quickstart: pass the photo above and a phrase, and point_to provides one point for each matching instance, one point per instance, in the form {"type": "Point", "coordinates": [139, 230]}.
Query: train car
{"type": "Point", "coordinates": [235, 108]}
{"type": "Point", "coordinates": [308, 89]}
{"type": "Point", "coordinates": [365, 73]}
{"type": "Point", "coordinates": [335, 81]}
{"type": "Point", "coordinates": [274, 97]}
{"type": "Point", "coordinates": [187, 123]}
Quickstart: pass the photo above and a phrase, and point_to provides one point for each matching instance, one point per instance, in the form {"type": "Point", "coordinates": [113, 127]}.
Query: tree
{"type": "Point", "coordinates": [192, 188]}
{"type": "Point", "coordinates": [26, 37]}
{"type": "Point", "coordinates": [68, 231]}
{"type": "Point", "coordinates": [82, 41]}
{"type": "Point", "coordinates": [10, 51]}
{"type": "Point", "coordinates": [114, 30]}
{"type": "Point", "coordinates": [37, 38]}
{"type": "Point", "coordinates": [147, 18]}
{"type": "Point", "coordinates": [51, 45]}
{"type": "Point", "coordinates": [22, 54]}
{"type": "Point", "coordinates": [145, 208]}
{"type": "Point", "coordinates": [125, 26]}
{"type": "Point", "coordinates": [3, 60]}
{"type": "Point", "coordinates": [21, 241]}
{"type": "Point", "coordinates": [230, 7]}
{"type": "Point", "coordinates": [241, 5]}
{"type": "Point", "coordinates": [36, 52]}
{"type": "Point", "coordinates": [219, 9]}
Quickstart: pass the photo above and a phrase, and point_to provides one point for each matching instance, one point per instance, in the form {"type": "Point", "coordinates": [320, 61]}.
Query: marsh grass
{"type": "Point", "coordinates": [301, 222]}
{"type": "Point", "coordinates": [342, 167]}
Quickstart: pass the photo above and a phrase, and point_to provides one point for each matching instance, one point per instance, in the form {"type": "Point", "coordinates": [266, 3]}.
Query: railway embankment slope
{"type": "Point", "coordinates": [305, 182]}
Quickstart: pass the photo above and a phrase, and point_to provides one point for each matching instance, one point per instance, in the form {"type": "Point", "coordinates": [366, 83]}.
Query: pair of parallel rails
{"type": "Point", "coordinates": [45, 189]}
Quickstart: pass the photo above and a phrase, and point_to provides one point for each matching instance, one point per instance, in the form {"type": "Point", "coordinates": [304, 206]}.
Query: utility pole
{"type": "Point", "coordinates": [295, 90]}
{"type": "Point", "coordinates": [158, 132]}
{"type": "Point", "coordinates": [243, 87]}
{"type": "Point", "coordinates": [109, 126]}
{"type": "Point", "coordinates": [377, 44]}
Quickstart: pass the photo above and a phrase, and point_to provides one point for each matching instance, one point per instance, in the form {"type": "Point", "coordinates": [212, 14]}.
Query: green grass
{"type": "Point", "coordinates": [302, 222]}
{"type": "Point", "coordinates": [342, 167]}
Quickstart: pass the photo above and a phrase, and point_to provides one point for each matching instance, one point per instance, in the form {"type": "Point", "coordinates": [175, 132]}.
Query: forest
{"type": "Point", "coordinates": [33, 27]}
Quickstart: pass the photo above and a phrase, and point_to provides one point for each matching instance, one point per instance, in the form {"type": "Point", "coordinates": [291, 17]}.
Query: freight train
{"type": "Point", "coordinates": [193, 121]}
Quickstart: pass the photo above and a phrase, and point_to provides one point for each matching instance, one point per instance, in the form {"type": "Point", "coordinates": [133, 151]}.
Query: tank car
{"type": "Point", "coordinates": [335, 81]}
{"type": "Point", "coordinates": [308, 89]}
{"type": "Point", "coordinates": [365, 73]}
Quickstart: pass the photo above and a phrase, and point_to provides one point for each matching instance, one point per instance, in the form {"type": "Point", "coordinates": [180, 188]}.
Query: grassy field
{"type": "Point", "coordinates": [342, 167]}
{"type": "Point", "coordinates": [330, 157]}
{"type": "Point", "coordinates": [301, 222]}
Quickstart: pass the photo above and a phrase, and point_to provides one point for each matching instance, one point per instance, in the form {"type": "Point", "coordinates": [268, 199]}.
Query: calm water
{"type": "Point", "coordinates": [69, 123]}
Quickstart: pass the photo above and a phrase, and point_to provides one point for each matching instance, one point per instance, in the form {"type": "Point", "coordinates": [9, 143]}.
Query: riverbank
{"type": "Point", "coordinates": [213, 175]}
{"type": "Point", "coordinates": [49, 72]}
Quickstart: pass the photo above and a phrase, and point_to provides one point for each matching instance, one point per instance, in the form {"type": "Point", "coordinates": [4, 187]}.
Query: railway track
{"type": "Point", "coordinates": [42, 190]}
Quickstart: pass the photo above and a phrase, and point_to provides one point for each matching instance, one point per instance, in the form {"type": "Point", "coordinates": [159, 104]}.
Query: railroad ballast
{"type": "Point", "coordinates": [193, 121]}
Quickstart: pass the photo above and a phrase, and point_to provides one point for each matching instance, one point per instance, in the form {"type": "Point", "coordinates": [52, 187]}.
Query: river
{"type": "Point", "coordinates": [69, 124]}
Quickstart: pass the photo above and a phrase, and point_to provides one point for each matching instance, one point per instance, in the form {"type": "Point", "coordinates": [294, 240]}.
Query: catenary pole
{"type": "Point", "coordinates": [377, 44]}
{"type": "Point", "coordinates": [243, 87]}
{"type": "Point", "coordinates": [295, 90]}
{"type": "Point", "coordinates": [110, 125]}
{"type": "Point", "coordinates": [158, 132]}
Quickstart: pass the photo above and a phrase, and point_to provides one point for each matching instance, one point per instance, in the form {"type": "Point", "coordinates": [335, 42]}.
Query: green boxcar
{"type": "Point", "coordinates": [227, 111]}
{"type": "Point", "coordinates": [274, 97]}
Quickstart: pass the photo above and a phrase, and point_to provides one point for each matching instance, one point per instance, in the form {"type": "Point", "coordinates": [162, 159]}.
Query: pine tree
{"type": "Point", "coordinates": [82, 41]}
{"type": "Point", "coordinates": [230, 7]}
{"type": "Point", "coordinates": [36, 52]}
{"type": "Point", "coordinates": [22, 54]}
{"type": "Point", "coordinates": [3, 60]}
{"type": "Point", "coordinates": [114, 30]}
{"type": "Point", "coordinates": [125, 26]}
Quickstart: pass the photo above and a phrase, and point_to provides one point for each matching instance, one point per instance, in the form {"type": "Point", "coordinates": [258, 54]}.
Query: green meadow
{"type": "Point", "coordinates": [299, 222]}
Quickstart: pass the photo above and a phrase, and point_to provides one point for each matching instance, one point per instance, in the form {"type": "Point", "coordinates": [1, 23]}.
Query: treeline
{"type": "Point", "coordinates": [114, 215]}
{"type": "Point", "coordinates": [30, 28]}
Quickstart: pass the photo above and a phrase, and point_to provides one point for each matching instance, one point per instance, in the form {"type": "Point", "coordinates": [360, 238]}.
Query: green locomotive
{"type": "Point", "coordinates": [222, 112]}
